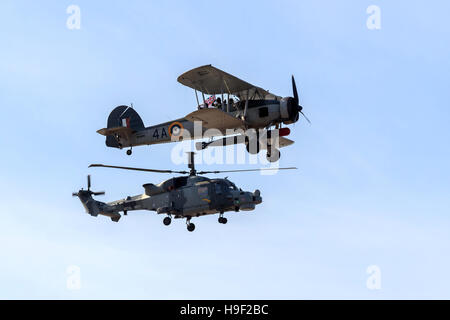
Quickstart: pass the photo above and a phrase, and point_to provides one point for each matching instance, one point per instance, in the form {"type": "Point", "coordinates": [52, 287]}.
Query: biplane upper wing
{"type": "Point", "coordinates": [210, 80]}
{"type": "Point", "coordinates": [215, 118]}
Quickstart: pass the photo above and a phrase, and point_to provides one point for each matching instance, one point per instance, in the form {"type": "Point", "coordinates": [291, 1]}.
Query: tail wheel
{"type": "Point", "coordinates": [191, 227]}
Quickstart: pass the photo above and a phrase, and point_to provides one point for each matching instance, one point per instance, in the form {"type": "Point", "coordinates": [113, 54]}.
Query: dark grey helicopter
{"type": "Point", "coordinates": [178, 197]}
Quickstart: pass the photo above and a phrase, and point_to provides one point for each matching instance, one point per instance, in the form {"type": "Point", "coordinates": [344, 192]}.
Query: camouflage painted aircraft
{"type": "Point", "coordinates": [246, 107]}
{"type": "Point", "coordinates": [179, 197]}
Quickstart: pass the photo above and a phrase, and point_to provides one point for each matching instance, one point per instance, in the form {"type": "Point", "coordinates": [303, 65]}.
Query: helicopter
{"type": "Point", "coordinates": [184, 196]}
{"type": "Point", "coordinates": [250, 114]}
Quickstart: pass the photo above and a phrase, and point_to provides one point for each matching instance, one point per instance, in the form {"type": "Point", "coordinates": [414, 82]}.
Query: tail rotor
{"type": "Point", "coordinates": [88, 192]}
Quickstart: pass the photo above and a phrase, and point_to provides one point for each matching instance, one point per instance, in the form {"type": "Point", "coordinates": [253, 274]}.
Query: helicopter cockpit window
{"type": "Point", "coordinates": [230, 185]}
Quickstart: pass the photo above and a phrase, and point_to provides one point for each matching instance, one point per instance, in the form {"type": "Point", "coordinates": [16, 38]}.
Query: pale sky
{"type": "Point", "coordinates": [373, 181]}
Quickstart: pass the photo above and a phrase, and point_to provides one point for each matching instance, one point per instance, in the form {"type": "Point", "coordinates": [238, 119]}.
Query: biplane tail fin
{"type": "Point", "coordinates": [123, 121]}
{"type": "Point", "coordinates": [124, 116]}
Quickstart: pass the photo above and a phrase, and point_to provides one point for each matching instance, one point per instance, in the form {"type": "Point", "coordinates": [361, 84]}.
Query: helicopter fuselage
{"type": "Point", "coordinates": [179, 197]}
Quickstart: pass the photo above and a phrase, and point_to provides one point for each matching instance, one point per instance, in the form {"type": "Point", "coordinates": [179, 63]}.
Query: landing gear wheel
{"type": "Point", "coordinates": [167, 221]}
{"type": "Point", "coordinates": [273, 155]}
{"type": "Point", "coordinates": [129, 152]}
{"type": "Point", "coordinates": [222, 220]}
{"type": "Point", "coordinates": [191, 227]}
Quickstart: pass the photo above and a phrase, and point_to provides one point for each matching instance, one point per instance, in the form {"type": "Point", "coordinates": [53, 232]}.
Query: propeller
{"type": "Point", "coordinates": [296, 100]}
{"type": "Point", "coordinates": [88, 191]}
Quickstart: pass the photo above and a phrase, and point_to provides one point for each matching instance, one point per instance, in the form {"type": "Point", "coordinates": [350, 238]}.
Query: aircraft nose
{"type": "Point", "coordinates": [257, 197]}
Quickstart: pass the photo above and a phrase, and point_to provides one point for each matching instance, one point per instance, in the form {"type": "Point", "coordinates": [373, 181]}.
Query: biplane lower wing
{"type": "Point", "coordinates": [238, 139]}
{"type": "Point", "coordinates": [215, 118]}
{"type": "Point", "coordinates": [282, 142]}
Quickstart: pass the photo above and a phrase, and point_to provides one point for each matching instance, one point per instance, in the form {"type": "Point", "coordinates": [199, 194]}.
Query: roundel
{"type": "Point", "coordinates": [175, 129]}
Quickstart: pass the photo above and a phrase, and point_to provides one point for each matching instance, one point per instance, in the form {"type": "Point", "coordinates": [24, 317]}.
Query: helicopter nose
{"type": "Point", "coordinates": [257, 197]}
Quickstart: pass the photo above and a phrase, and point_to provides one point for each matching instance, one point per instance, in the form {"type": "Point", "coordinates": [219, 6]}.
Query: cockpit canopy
{"type": "Point", "coordinates": [225, 183]}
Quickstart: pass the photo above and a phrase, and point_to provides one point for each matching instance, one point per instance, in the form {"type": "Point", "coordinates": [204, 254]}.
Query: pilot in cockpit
{"type": "Point", "coordinates": [231, 102]}
{"type": "Point", "coordinates": [218, 103]}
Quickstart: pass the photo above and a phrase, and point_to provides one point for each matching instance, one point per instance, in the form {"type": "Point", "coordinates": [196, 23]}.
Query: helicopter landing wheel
{"type": "Point", "coordinates": [167, 221]}
{"type": "Point", "coordinates": [129, 152]}
{"type": "Point", "coordinates": [191, 227]}
{"type": "Point", "coordinates": [223, 220]}
{"type": "Point", "coordinates": [273, 155]}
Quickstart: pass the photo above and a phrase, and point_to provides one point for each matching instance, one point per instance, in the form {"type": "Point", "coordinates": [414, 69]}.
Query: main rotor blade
{"type": "Point", "coordinates": [137, 169]}
{"type": "Point", "coordinates": [247, 170]}
{"type": "Point", "coordinates": [294, 90]}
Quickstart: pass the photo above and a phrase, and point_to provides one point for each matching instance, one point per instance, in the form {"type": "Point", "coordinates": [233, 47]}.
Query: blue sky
{"type": "Point", "coordinates": [373, 181]}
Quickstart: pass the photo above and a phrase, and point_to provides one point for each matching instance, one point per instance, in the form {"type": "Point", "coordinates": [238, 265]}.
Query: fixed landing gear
{"type": "Point", "coordinates": [273, 155]}
{"type": "Point", "coordinates": [130, 151]}
{"type": "Point", "coordinates": [222, 219]}
{"type": "Point", "coordinates": [190, 225]}
{"type": "Point", "coordinates": [167, 221]}
{"type": "Point", "coordinates": [252, 145]}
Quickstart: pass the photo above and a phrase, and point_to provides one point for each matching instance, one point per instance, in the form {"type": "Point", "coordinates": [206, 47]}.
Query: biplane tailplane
{"type": "Point", "coordinates": [122, 117]}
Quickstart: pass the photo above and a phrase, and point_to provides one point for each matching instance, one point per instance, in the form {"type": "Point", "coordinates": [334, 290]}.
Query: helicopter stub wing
{"type": "Point", "coordinates": [215, 118]}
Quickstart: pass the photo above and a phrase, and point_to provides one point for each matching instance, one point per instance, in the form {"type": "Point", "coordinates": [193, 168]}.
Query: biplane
{"type": "Point", "coordinates": [229, 111]}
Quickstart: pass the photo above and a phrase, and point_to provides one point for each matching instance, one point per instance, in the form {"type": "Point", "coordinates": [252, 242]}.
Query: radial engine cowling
{"type": "Point", "coordinates": [288, 110]}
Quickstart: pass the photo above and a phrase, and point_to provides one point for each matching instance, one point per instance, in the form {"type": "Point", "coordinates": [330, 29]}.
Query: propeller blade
{"type": "Point", "coordinates": [305, 117]}
{"type": "Point", "coordinates": [294, 90]}
{"type": "Point", "coordinates": [89, 182]}
{"type": "Point", "coordinates": [99, 193]}
{"type": "Point", "coordinates": [247, 170]}
{"type": "Point", "coordinates": [74, 194]}
{"type": "Point", "coordinates": [136, 169]}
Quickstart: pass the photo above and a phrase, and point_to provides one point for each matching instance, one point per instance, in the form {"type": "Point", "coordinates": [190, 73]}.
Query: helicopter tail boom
{"type": "Point", "coordinates": [95, 208]}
